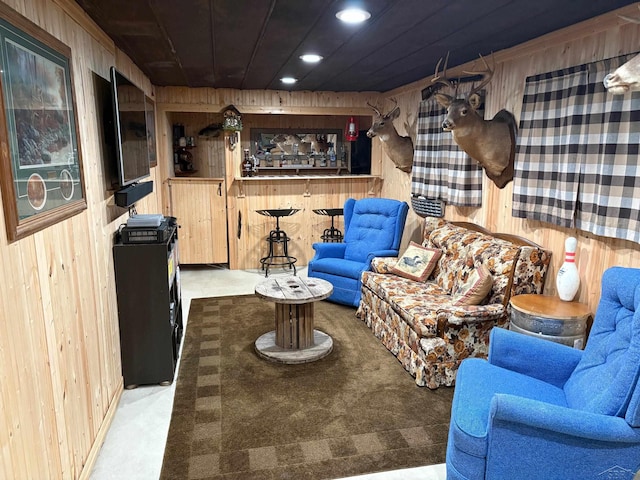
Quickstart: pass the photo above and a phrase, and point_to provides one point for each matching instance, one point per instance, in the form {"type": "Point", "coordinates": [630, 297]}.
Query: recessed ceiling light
{"type": "Point", "coordinates": [288, 80]}
{"type": "Point", "coordinates": [353, 15]}
{"type": "Point", "coordinates": [310, 58]}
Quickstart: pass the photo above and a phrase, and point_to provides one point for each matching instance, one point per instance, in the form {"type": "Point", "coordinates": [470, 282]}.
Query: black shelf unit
{"type": "Point", "coordinates": [149, 309]}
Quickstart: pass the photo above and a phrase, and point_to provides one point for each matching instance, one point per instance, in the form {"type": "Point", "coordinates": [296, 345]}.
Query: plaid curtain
{"type": "Point", "coordinates": [577, 153]}
{"type": "Point", "coordinates": [441, 169]}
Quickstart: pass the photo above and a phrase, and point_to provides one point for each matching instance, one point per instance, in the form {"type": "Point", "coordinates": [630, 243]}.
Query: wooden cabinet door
{"type": "Point", "coordinates": [199, 204]}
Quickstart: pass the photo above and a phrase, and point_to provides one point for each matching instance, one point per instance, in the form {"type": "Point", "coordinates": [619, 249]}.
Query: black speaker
{"type": "Point", "coordinates": [361, 154]}
{"type": "Point", "coordinates": [132, 193]}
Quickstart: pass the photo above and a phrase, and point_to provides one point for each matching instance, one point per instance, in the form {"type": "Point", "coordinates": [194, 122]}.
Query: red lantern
{"type": "Point", "coordinates": [351, 129]}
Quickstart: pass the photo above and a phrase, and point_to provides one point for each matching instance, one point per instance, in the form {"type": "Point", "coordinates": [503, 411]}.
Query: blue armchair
{"type": "Point", "coordinates": [538, 409]}
{"type": "Point", "coordinates": [373, 228]}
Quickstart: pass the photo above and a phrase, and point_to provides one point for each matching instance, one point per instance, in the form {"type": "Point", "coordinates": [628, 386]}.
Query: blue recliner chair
{"type": "Point", "coordinates": [372, 228]}
{"type": "Point", "coordinates": [538, 409]}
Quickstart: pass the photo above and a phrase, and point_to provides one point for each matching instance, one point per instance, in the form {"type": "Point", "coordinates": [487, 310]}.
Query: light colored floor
{"type": "Point", "coordinates": [134, 446]}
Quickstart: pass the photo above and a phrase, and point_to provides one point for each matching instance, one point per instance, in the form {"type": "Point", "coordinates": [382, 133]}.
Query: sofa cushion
{"type": "Point", "coordinates": [458, 244]}
{"type": "Point", "coordinates": [529, 276]}
{"type": "Point", "coordinates": [417, 262]}
{"type": "Point", "coordinates": [473, 288]}
{"type": "Point", "coordinates": [454, 243]}
{"type": "Point", "coordinates": [416, 302]}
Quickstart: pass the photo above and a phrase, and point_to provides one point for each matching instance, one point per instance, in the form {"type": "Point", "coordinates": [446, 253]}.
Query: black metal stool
{"type": "Point", "coordinates": [278, 237]}
{"type": "Point", "coordinates": [331, 234]}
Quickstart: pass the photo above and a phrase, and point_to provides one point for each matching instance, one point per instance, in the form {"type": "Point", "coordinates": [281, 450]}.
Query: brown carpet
{"type": "Point", "coordinates": [239, 417]}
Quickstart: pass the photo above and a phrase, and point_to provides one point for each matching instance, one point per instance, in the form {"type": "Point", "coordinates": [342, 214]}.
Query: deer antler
{"type": "Point", "coordinates": [630, 19]}
{"type": "Point", "coordinates": [375, 109]}
{"type": "Point", "coordinates": [395, 107]}
{"type": "Point", "coordinates": [442, 78]}
{"type": "Point", "coordinates": [488, 74]}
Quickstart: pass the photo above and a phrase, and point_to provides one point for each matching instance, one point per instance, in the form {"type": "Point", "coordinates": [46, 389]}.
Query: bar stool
{"type": "Point", "coordinates": [278, 237]}
{"type": "Point", "coordinates": [331, 234]}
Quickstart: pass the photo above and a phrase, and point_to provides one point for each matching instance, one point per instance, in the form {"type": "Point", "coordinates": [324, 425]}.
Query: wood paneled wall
{"type": "Point", "coordinates": [59, 352]}
{"type": "Point", "coordinates": [603, 37]}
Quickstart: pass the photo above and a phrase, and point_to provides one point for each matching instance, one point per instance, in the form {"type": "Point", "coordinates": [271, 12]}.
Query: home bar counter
{"type": "Point", "coordinates": [248, 230]}
{"type": "Point", "coordinates": [290, 185]}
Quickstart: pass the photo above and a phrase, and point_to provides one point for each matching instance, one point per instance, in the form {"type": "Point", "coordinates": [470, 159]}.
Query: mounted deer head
{"type": "Point", "coordinates": [489, 142]}
{"type": "Point", "coordinates": [627, 77]}
{"type": "Point", "coordinates": [398, 149]}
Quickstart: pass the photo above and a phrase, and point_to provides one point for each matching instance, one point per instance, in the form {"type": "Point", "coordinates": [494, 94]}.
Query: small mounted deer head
{"type": "Point", "coordinates": [398, 149]}
{"type": "Point", "coordinates": [627, 77]}
{"type": "Point", "coordinates": [489, 142]}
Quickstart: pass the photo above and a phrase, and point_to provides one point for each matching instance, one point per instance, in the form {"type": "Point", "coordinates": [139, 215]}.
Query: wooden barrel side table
{"type": "Point", "coordinates": [550, 318]}
{"type": "Point", "coordinates": [294, 339]}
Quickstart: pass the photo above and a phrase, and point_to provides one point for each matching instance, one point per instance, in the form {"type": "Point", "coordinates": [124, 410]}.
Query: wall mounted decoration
{"type": "Point", "coordinates": [441, 170]}
{"type": "Point", "coordinates": [490, 142]}
{"type": "Point", "coordinates": [397, 147]}
{"type": "Point", "coordinates": [351, 129]}
{"type": "Point", "coordinates": [577, 156]}
{"type": "Point", "coordinates": [625, 78]}
{"type": "Point", "coordinates": [232, 119]}
{"type": "Point", "coordinates": [40, 159]}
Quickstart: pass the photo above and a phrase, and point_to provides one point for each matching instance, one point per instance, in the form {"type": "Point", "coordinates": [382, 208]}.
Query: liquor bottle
{"type": "Point", "coordinates": [332, 157]}
{"type": "Point", "coordinates": [568, 279]}
{"type": "Point", "coordinates": [247, 165]}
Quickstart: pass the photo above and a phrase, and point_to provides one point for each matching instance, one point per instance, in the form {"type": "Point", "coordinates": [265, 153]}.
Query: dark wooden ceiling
{"type": "Point", "coordinates": [251, 44]}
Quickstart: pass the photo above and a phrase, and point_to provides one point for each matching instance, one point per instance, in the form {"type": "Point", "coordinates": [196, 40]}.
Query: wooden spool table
{"type": "Point", "coordinates": [294, 340]}
{"type": "Point", "coordinates": [548, 317]}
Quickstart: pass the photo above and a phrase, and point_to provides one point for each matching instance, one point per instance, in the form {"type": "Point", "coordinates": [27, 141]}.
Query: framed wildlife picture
{"type": "Point", "coordinates": [40, 159]}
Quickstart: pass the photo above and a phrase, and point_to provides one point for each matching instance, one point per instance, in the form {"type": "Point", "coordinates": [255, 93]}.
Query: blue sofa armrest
{"type": "Point", "coordinates": [329, 250]}
{"type": "Point", "coordinates": [548, 361]}
{"type": "Point", "coordinates": [381, 253]}
{"type": "Point", "coordinates": [534, 439]}
{"type": "Point", "coordinates": [514, 410]}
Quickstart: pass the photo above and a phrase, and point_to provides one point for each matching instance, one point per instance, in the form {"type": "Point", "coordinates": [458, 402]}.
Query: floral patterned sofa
{"type": "Point", "coordinates": [418, 321]}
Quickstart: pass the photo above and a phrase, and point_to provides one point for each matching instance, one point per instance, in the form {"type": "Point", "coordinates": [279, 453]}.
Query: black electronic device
{"type": "Point", "coordinates": [159, 234]}
{"type": "Point", "coordinates": [149, 309]}
{"type": "Point", "coordinates": [130, 129]}
{"type": "Point", "coordinates": [130, 194]}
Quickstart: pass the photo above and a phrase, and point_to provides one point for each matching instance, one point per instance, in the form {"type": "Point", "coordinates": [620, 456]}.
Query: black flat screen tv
{"type": "Point", "coordinates": [131, 145]}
